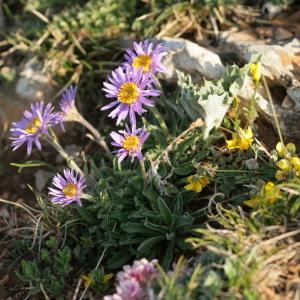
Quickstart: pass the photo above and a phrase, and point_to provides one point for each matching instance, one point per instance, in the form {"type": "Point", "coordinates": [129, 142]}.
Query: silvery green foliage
{"type": "Point", "coordinates": [212, 100]}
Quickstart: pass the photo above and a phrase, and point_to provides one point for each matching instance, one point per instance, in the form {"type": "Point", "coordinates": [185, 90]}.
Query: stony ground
{"type": "Point", "coordinates": [46, 46]}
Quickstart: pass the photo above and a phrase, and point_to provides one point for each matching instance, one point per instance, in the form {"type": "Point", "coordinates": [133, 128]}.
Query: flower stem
{"type": "Point", "coordinates": [144, 173]}
{"type": "Point", "coordinates": [95, 133]}
{"type": "Point", "coordinates": [53, 141]}
{"type": "Point", "coordinates": [273, 109]}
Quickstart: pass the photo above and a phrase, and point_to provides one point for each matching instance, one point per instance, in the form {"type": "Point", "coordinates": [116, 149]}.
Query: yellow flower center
{"type": "Point", "coordinates": [131, 143]}
{"type": "Point", "coordinates": [128, 93]}
{"type": "Point", "coordinates": [142, 61]}
{"type": "Point", "coordinates": [34, 126]}
{"type": "Point", "coordinates": [70, 190]}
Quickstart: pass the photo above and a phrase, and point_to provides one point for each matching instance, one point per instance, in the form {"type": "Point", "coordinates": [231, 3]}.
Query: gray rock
{"type": "Point", "coordinates": [41, 178]}
{"type": "Point", "coordinates": [278, 61]}
{"type": "Point", "coordinates": [33, 82]}
{"type": "Point", "coordinates": [281, 67]}
{"type": "Point", "coordinates": [282, 34]}
{"type": "Point", "coordinates": [191, 58]}
{"type": "Point", "coordinates": [271, 10]}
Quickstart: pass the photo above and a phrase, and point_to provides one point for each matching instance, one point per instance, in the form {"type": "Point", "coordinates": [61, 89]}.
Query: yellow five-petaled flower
{"type": "Point", "coordinates": [242, 139]}
{"type": "Point", "coordinates": [196, 183]}
{"type": "Point", "coordinates": [268, 195]}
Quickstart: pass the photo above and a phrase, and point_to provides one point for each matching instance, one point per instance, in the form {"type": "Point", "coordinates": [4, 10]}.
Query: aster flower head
{"type": "Point", "coordinates": [33, 125]}
{"type": "Point", "coordinates": [130, 141]}
{"type": "Point", "coordinates": [147, 56]}
{"type": "Point", "coordinates": [67, 105]}
{"type": "Point", "coordinates": [131, 89]}
{"type": "Point", "coordinates": [67, 188]}
{"type": "Point", "coordinates": [67, 101]}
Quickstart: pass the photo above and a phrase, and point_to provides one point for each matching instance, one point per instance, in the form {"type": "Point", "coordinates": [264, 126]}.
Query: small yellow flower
{"type": "Point", "coordinates": [284, 165]}
{"type": "Point", "coordinates": [234, 143]}
{"type": "Point", "coordinates": [291, 148]}
{"type": "Point", "coordinates": [241, 139]}
{"type": "Point", "coordinates": [287, 150]}
{"type": "Point", "coordinates": [280, 148]}
{"type": "Point", "coordinates": [271, 193]}
{"type": "Point", "coordinates": [280, 175]}
{"type": "Point", "coordinates": [196, 183]}
{"type": "Point", "coordinates": [268, 195]}
{"type": "Point", "coordinates": [253, 202]}
{"type": "Point", "coordinates": [88, 280]}
{"type": "Point", "coordinates": [295, 161]}
{"type": "Point", "coordinates": [255, 72]}
{"type": "Point", "coordinates": [290, 164]}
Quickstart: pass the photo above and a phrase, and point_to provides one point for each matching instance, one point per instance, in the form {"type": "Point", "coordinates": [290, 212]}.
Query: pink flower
{"type": "Point", "coordinates": [141, 270]}
{"type": "Point", "coordinates": [133, 280]}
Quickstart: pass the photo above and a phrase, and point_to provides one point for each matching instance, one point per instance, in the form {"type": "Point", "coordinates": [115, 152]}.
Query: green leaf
{"type": "Point", "coordinates": [168, 258]}
{"type": "Point", "coordinates": [30, 271]}
{"type": "Point", "coordinates": [32, 164]}
{"type": "Point", "coordinates": [182, 147]}
{"type": "Point", "coordinates": [147, 244]}
{"type": "Point", "coordinates": [178, 207]}
{"type": "Point", "coordinates": [295, 207]}
{"type": "Point", "coordinates": [165, 211]}
{"type": "Point", "coordinates": [150, 194]}
{"type": "Point", "coordinates": [119, 259]}
{"type": "Point", "coordinates": [184, 170]}
{"type": "Point", "coordinates": [52, 243]}
{"type": "Point", "coordinates": [155, 227]}
{"type": "Point", "coordinates": [86, 215]}
{"type": "Point", "coordinates": [62, 261]}
{"type": "Point", "coordinates": [135, 228]}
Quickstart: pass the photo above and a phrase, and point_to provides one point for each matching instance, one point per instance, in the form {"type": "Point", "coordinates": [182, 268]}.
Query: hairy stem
{"type": "Point", "coordinates": [95, 133]}
{"type": "Point", "coordinates": [53, 141]}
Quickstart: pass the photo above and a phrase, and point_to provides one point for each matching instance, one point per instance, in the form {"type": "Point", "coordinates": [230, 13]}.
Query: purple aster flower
{"type": "Point", "coordinates": [147, 56]}
{"type": "Point", "coordinates": [67, 189]}
{"type": "Point", "coordinates": [130, 142]}
{"type": "Point", "coordinates": [33, 125]}
{"type": "Point", "coordinates": [67, 101]}
{"type": "Point", "coordinates": [67, 105]}
{"type": "Point", "coordinates": [132, 89]}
